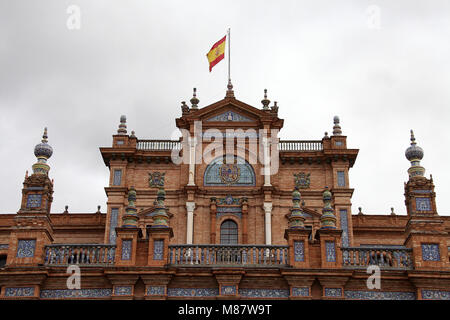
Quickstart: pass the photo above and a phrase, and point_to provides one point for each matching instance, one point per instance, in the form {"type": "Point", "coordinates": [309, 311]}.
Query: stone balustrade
{"type": "Point", "coordinates": [299, 145]}
{"type": "Point", "coordinates": [228, 255]}
{"type": "Point", "coordinates": [158, 145]}
{"type": "Point", "coordinates": [284, 145]}
{"type": "Point", "coordinates": [385, 257]}
{"type": "Point", "coordinates": [79, 254]}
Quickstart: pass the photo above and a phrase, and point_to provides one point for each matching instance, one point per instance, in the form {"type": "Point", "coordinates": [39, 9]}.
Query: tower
{"type": "Point", "coordinates": [33, 227]}
{"type": "Point", "coordinates": [420, 198]}
{"type": "Point", "coordinates": [425, 232]}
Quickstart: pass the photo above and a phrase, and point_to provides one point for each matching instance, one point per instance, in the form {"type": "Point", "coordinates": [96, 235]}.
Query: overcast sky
{"type": "Point", "coordinates": [382, 66]}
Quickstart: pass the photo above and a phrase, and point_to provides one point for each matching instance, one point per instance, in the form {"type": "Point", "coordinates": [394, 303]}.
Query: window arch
{"type": "Point", "coordinates": [238, 173]}
{"type": "Point", "coordinates": [229, 232]}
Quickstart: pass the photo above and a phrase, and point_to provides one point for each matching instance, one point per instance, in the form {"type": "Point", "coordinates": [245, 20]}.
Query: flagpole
{"type": "Point", "coordinates": [229, 43]}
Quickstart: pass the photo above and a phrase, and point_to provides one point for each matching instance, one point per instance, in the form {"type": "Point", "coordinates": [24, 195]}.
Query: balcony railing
{"type": "Point", "coordinates": [158, 145]}
{"type": "Point", "coordinates": [384, 257]}
{"type": "Point", "coordinates": [79, 254]}
{"type": "Point", "coordinates": [297, 145]}
{"type": "Point", "coordinates": [228, 255]}
{"type": "Point", "coordinates": [284, 145]}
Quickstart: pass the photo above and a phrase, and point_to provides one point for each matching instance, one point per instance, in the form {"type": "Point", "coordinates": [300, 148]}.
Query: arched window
{"type": "Point", "coordinates": [238, 173]}
{"type": "Point", "coordinates": [229, 232]}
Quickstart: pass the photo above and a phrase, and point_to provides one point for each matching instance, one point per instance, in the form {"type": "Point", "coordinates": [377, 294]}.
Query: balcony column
{"type": "Point", "coordinates": [268, 221]}
{"type": "Point", "coordinates": [190, 206]}
{"type": "Point", "coordinates": [266, 145]}
{"type": "Point", "coordinates": [192, 145]}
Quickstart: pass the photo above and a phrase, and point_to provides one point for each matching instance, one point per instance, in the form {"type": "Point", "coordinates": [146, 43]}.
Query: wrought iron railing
{"type": "Point", "coordinates": [79, 254]}
{"type": "Point", "coordinates": [298, 145]}
{"type": "Point", "coordinates": [158, 145]}
{"type": "Point", "coordinates": [384, 257]}
{"type": "Point", "coordinates": [228, 255]}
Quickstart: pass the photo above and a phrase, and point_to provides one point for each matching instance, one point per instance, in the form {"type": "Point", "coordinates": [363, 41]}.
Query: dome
{"type": "Point", "coordinates": [414, 152]}
{"type": "Point", "coordinates": [43, 150]}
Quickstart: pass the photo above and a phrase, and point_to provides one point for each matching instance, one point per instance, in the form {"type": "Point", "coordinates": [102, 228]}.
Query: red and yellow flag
{"type": "Point", "coordinates": [216, 53]}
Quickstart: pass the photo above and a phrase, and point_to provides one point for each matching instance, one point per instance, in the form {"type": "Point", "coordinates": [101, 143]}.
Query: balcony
{"type": "Point", "coordinates": [103, 255]}
{"type": "Point", "coordinates": [228, 255]}
{"type": "Point", "coordinates": [79, 254]}
{"type": "Point", "coordinates": [387, 258]}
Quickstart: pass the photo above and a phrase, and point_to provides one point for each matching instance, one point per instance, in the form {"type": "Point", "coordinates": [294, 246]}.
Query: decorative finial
{"type": "Point", "coordinates": [326, 136]}
{"type": "Point", "coordinates": [123, 125]}
{"type": "Point", "coordinates": [414, 154]}
{"type": "Point", "coordinates": [98, 208]}
{"type": "Point", "coordinates": [328, 219]}
{"type": "Point", "coordinates": [130, 218]}
{"type": "Point", "coordinates": [160, 216]}
{"type": "Point", "coordinates": [43, 151]}
{"type": "Point", "coordinates": [336, 128]}
{"type": "Point", "coordinates": [230, 92]}
{"type": "Point", "coordinates": [26, 174]}
{"type": "Point", "coordinates": [360, 210]}
{"type": "Point", "coordinates": [413, 139]}
{"type": "Point", "coordinates": [184, 107]}
{"type": "Point", "coordinates": [132, 134]}
{"type": "Point", "coordinates": [274, 107]}
{"type": "Point", "coordinates": [392, 211]}
{"type": "Point", "coordinates": [265, 102]}
{"type": "Point", "coordinates": [194, 100]}
{"type": "Point", "coordinates": [44, 136]}
{"type": "Point", "coordinates": [66, 209]}
{"type": "Point", "coordinates": [296, 218]}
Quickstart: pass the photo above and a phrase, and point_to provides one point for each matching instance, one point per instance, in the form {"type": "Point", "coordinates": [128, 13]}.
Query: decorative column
{"type": "Point", "coordinates": [266, 145]}
{"type": "Point", "coordinates": [128, 233]}
{"type": "Point", "coordinates": [213, 211]}
{"type": "Point", "coordinates": [329, 235]}
{"type": "Point", "coordinates": [190, 206]}
{"type": "Point", "coordinates": [268, 222]}
{"type": "Point", "coordinates": [192, 146]}
{"type": "Point", "coordinates": [244, 221]}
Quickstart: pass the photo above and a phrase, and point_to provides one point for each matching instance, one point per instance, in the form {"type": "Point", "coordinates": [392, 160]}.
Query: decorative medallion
{"type": "Point", "coordinates": [229, 173]}
{"type": "Point", "coordinates": [302, 180]}
{"type": "Point", "coordinates": [156, 179]}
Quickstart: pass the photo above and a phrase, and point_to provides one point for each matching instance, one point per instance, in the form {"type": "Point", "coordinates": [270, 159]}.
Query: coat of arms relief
{"type": "Point", "coordinates": [156, 179]}
{"type": "Point", "coordinates": [302, 180]}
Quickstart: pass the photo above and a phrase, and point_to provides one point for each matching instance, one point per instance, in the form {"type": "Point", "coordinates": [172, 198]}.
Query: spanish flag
{"type": "Point", "coordinates": [216, 53]}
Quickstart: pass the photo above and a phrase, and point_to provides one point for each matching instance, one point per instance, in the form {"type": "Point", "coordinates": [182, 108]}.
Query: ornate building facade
{"type": "Point", "coordinates": [228, 211]}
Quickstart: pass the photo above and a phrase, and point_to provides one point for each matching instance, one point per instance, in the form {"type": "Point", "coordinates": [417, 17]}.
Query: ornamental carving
{"type": "Point", "coordinates": [156, 179]}
{"type": "Point", "coordinates": [302, 180]}
{"type": "Point", "coordinates": [229, 173]}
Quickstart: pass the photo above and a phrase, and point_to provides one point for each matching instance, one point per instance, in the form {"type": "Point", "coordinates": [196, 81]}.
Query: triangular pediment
{"type": "Point", "coordinates": [230, 111]}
